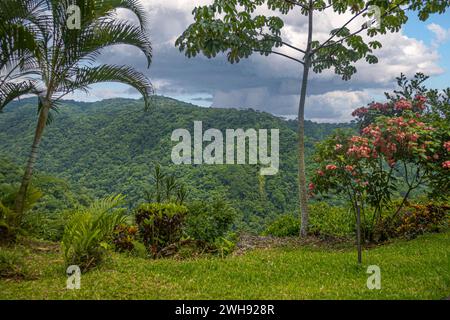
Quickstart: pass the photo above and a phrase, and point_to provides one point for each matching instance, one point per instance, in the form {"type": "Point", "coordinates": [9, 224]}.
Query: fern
{"type": "Point", "coordinates": [87, 233]}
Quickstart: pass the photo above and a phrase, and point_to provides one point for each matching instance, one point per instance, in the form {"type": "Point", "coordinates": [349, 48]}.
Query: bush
{"type": "Point", "coordinates": [87, 233]}
{"type": "Point", "coordinates": [139, 250]}
{"type": "Point", "coordinates": [11, 224]}
{"type": "Point", "coordinates": [46, 226]}
{"type": "Point", "coordinates": [324, 221]}
{"type": "Point", "coordinates": [8, 231]}
{"type": "Point", "coordinates": [211, 221]}
{"type": "Point", "coordinates": [12, 264]}
{"type": "Point", "coordinates": [414, 220]}
{"type": "Point", "coordinates": [331, 221]}
{"type": "Point", "coordinates": [286, 225]}
{"type": "Point", "coordinates": [160, 224]}
{"type": "Point", "coordinates": [124, 237]}
{"type": "Point", "coordinates": [226, 245]}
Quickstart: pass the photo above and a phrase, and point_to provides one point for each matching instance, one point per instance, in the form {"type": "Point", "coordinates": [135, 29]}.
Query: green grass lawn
{"type": "Point", "coordinates": [417, 269]}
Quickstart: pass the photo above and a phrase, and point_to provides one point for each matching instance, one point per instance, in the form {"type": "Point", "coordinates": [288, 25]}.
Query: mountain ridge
{"type": "Point", "coordinates": [111, 146]}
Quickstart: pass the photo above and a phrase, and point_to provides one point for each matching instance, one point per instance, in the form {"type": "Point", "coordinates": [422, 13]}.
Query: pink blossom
{"type": "Point", "coordinates": [403, 105]}
{"type": "Point", "coordinates": [349, 168]}
{"type": "Point", "coordinates": [447, 146]}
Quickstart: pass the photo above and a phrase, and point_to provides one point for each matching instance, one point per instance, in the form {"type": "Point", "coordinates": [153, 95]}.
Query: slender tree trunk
{"type": "Point", "coordinates": [358, 231]}
{"type": "Point", "coordinates": [21, 195]}
{"type": "Point", "coordinates": [301, 134]}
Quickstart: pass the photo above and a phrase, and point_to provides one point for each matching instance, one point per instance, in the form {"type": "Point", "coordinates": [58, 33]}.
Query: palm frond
{"type": "Point", "coordinates": [104, 34]}
{"type": "Point", "coordinates": [11, 91]}
{"type": "Point", "coordinates": [86, 76]}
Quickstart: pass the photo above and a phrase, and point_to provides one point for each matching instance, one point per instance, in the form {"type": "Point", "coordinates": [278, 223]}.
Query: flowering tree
{"type": "Point", "coordinates": [240, 28]}
{"type": "Point", "coordinates": [404, 141]}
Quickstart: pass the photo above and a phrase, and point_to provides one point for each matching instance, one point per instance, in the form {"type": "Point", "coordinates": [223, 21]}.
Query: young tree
{"type": "Point", "coordinates": [66, 51]}
{"type": "Point", "coordinates": [234, 27]}
{"type": "Point", "coordinates": [403, 144]}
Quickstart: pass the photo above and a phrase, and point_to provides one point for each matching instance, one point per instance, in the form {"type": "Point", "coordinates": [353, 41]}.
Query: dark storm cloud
{"type": "Point", "coordinates": [266, 83]}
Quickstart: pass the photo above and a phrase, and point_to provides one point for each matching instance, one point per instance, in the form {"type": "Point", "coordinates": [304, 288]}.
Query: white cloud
{"type": "Point", "coordinates": [441, 35]}
{"type": "Point", "coordinates": [273, 83]}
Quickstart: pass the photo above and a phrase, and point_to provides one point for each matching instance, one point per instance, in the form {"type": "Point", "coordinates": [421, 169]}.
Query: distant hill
{"type": "Point", "coordinates": [111, 147]}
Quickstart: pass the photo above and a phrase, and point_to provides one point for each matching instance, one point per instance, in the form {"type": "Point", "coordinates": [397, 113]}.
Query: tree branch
{"type": "Point", "coordinates": [340, 29]}
{"type": "Point", "coordinates": [280, 54]}
{"type": "Point", "coordinates": [279, 40]}
{"type": "Point", "coordinates": [363, 27]}
{"type": "Point", "coordinates": [297, 4]}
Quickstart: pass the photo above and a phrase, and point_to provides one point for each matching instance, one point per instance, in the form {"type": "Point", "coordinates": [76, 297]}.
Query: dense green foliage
{"type": "Point", "coordinates": [209, 221]}
{"type": "Point", "coordinates": [287, 225]}
{"type": "Point", "coordinates": [160, 225]}
{"type": "Point", "coordinates": [112, 146]}
{"type": "Point", "coordinates": [325, 221]}
{"type": "Point", "coordinates": [12, 264]}
{"type": "Point", "coordinates": [87, 233]}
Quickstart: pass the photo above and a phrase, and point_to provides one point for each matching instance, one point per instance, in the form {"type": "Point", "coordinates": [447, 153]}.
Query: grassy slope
{"type": "Point", "coordinates": [418, 269]}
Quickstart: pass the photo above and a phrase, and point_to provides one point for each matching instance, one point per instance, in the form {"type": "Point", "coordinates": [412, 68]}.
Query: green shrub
{"type": "Point", "coordinates": [88, 231]}
{"type": "Point", "coordinates": [419, 219]}
{"type": "Point", "coordinates": [414, 220]}
{"type": "Point", "coordinates": [46, 226]}
{"type": "Point", "coordinates": [160, 224]}
{"type": "Point", "coordinates": [286, 225]}
{"type": "Point", "coordinates": [124, 237]}
{"type": "Point", "coordinates": [11, 224]}
{"type": "Point", "coordinates": [209, 221]}
{"type": "Point", "coordinates": [139, 250]}
{"type": "Point", "coordinates": [324, 221]}
{"type": "Point", "coordinates": [8, 230]}
{"type": "Point", "coordinates": [12, 264]}
{"type": "Point", "coordinates": [226, 245]}
{"type": "Point", "coordinates": [331, 221]}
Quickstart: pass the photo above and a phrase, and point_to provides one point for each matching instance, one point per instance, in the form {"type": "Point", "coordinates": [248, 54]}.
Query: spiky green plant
{"type": "Point", "coordinates": [86, 235]}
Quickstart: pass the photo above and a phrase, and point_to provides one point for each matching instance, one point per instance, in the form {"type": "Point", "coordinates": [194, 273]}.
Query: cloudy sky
{"type": "Point", "coordinates": [272, 83]}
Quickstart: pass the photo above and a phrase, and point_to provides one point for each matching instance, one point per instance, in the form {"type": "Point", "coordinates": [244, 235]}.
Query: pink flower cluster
{"type": "Point", "coordinates": [446, 165]}
{"type": "Point", "coordinates": [360, 112]}
{"type": "Point", "coordinates": [417, 105]}
{"type": "Point", "coordinates": [393, 136]}
{"type": "Point", "coordinates": [447, 146]}
{"type": "Point", "coordinates": [421, 100]}
{"type": "Point", "coordinates": [403, 104]}
{"type": "Point", "coordinates": [359, 147]}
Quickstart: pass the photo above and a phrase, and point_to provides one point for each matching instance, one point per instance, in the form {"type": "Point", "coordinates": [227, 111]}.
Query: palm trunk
{"type": "Point", "coordinates": [21, 195]}
{"type": "Point", "coordinates": [301, 134]}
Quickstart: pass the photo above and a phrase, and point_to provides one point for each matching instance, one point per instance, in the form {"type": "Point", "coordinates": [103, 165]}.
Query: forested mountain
{"type": "Point", "coordinates": [112, 146]}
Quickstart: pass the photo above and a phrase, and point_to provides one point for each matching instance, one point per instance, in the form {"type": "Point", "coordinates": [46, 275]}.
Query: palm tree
{"type": "Point", "coordinates": [17, 44]}
{"type": "Point", "coordinates": [65, 59]}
